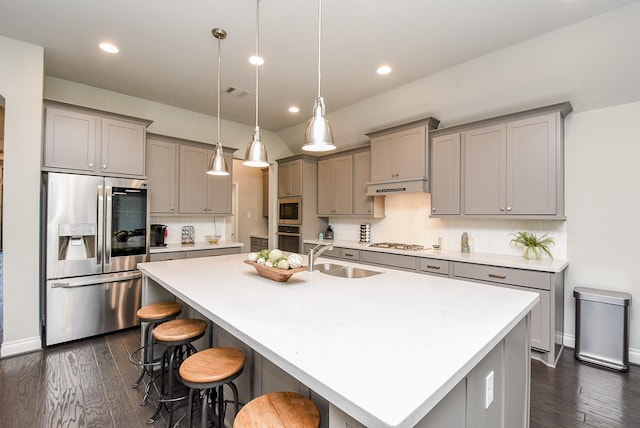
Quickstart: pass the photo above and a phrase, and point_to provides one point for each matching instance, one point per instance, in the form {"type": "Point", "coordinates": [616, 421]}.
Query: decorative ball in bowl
{"type": "Point", "coordinates": [212, 239]}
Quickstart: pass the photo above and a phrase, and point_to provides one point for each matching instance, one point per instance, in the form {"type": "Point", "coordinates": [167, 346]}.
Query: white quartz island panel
{"type": "Point", "coordinates": [383, 349]}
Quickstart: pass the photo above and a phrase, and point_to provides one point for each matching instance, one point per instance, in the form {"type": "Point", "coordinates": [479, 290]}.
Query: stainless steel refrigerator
{"type": "Point", "coordinates": [96, 231]}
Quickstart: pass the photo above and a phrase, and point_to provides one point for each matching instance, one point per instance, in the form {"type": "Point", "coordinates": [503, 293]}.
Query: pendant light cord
{"type": "Point", "coordinates": [257, 58]}
{"type": "Point", "coordinates": [219, 68]}
{"type": "Point", "coordinates": [319, 40]}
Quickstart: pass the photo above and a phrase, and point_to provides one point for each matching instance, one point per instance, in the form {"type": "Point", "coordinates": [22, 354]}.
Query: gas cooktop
{"type": "Point", "coordinates": [397, 246]}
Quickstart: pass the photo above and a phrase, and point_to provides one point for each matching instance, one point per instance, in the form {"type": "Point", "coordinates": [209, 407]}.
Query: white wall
{"type": "Point", "coordinates": [250, 219]}
{"type": "Point", "coordinates": [21, 76]}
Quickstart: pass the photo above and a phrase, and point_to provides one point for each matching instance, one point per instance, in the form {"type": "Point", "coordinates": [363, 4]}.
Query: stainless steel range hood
{"type": "Point", "coordinates": [394, 187]}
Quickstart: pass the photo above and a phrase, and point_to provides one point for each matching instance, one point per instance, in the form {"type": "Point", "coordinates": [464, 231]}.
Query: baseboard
{"type": "Point", "coordinates": [634, 354]}
{"type": "Point", "coordinates": [22, 346]}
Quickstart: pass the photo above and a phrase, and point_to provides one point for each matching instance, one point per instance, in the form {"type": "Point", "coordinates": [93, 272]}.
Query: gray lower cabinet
{"type": "Point", "coordinates": [433, 266]}
{"type": "Point", "coordinates": [93, 142]}
{"type": "Point", "coordinates": [396, 261]}
{"type": "Point", "coordinates": [161, 257]}
{"type": "Point", "coordinates": [547, 317]}
{"type": "Point", "coordinates": [192, 254]}
{"type": "Point", "coordinates": [258, 244]}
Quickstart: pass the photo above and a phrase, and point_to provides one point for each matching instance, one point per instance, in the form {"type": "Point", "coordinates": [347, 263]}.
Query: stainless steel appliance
{"type": "Point", "coordinates": [290, 211]}
{"type": "Point", "coordinates": [96, 231]}
{"type": "Point", "coordinates": [158, 233]}
{"type": "Point", "coordinates": [289, 239]}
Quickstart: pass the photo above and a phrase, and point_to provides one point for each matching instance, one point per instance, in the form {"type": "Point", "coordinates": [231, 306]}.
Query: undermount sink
{"type": "Point", "coordinates": [321, 267]}
{"type": "Point", "coordinates": [349, 272]}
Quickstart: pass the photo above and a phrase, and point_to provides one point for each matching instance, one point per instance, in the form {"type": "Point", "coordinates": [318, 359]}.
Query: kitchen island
{"type": "Point", "coordinates": [385, 351]}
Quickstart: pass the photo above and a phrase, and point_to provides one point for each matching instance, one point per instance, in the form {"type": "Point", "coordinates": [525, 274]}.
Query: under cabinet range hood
{"type": "Point", "coordinates": [412, 186]}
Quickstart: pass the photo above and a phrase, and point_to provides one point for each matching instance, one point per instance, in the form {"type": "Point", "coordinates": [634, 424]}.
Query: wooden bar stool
{"type": "Point", "coordinates": [177, 335]}
{"type": "Point", "coordinates": [153, 314]}
{"type": "Point", "coordinates": [277, 410]}
{"type": "Point", "coordinates": [210, 369]}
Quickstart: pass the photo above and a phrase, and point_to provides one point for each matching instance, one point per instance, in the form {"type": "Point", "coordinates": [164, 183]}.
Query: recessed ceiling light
{"type": "Point", "coordinates": [109, 47]}
{"type": "Point", "coordinates": [385, 69]}
{"type": "Point", "coordinates": [256, 60]}
{"type": "Point", "coordinates": [293, 109]}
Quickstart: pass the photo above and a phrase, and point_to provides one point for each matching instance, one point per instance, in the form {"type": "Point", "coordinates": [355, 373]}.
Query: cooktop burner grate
{"type": "Point", "coordinates": [397, 246]}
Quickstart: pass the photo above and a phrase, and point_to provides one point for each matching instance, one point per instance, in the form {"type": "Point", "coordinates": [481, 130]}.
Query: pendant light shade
{"type": "Point", "coordinates": [256, 153]}
{"type": "Point", "coordinates": [217, 162]}
{"type": "Point", "coordinates": [318, 136]}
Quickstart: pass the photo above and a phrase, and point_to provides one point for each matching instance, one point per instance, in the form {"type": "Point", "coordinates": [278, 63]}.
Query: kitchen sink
{"type": "Point", "coordinates": [321, 267]}
{"type": "Point", "coordinates": [349, 272]}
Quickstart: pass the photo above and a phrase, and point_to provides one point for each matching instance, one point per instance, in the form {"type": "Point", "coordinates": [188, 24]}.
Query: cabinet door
{"type": "Point", "coordinates": [70, 140]}
{"type": "Point", "coordinates": [362, 204]}
{"type": "Point", "coordinates": [219, 188]}
{"type": "Point", "coordinates": [193, 180]}
{"type": "Point", "coordinates": [484, 153]}
{"type": "Point", "coordinates": [290, 178]}
{"type": "Point", "coordinates": [410, 154]}
{"type": "Point", "coordinates": [445, 174]}
{"type": "Point", "coordinates": [532, 165]}
{"type": "Point", "coordinates": [123, 147]}
{"type": "Point", "coordinates": [162, 173]}
{"type": "Point", "coordinates": [265, 192]}
{"type": "Point", "coordinates": [325, 187]}
{"type": "Point", "coordinates": [540, 319]}
{"type": "Point", "coordinates": [343, 185]}
{"type": "Point", "coordinates": [381, 158]}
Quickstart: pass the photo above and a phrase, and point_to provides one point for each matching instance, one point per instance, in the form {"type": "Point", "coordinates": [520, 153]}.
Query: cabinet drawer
{"type": "Point", "coordinates": [391, 260]}
{"type": "Point", "coordinates": [160, 257]}
{"type": "Point", "coordinates": [213, 252]}
{"type": "Point", "coordinates": [501, 275]}
{"type": "Point", "coordinates": [349, 254]}
{"type": "Point", "coordinates": [440, 267]}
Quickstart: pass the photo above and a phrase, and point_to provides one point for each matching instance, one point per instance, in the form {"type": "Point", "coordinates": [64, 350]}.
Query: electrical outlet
{"type": "Point", "coordinates": [488, 390]}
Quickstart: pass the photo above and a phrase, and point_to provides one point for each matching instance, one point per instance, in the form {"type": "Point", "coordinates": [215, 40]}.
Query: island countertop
{"type": "Point", "coordinates": [384, 349]}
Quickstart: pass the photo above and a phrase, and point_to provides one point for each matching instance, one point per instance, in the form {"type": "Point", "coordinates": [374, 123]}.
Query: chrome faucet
{"type": "Point", "coordinates": [313, 255]}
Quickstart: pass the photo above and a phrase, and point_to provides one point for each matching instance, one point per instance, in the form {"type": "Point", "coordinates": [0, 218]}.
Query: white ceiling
{"type": "Point", "coordinates": [168, 55]}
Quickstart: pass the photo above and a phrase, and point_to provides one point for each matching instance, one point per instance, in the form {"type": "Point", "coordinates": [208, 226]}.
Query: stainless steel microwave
{"type": "Point", "coordinates": [290, 211]}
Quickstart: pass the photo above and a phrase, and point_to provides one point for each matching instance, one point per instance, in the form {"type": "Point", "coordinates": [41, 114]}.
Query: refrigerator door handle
{"type": "Point", "coordinates": [121, 277]}
{"type": "Point", "coordinates": [108, 232]}
{"type": "Point", "coordinates": [100, 240]}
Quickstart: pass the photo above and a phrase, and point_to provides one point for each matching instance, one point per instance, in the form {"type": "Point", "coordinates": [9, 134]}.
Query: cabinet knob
{"type": "Point", "coordinates": [508, 208]}
{"type": "Point", "coordinates": [171, 208]}
{"type": "Point", "coordinates": [433, 209]}
{"type": "Point", "coordinates": [501, 208]}
{"type": "Point", "coordinates": [104, 167]}
{"type": "Point", "coordinates": [90, 165]}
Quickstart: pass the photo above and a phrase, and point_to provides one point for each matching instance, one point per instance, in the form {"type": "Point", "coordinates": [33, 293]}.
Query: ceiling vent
{"type": "Point", "coordinates": [236, 92]}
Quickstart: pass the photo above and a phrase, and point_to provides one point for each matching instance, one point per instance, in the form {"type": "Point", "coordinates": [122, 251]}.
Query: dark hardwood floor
{"type": "Point", "coordinates": [88, 384]}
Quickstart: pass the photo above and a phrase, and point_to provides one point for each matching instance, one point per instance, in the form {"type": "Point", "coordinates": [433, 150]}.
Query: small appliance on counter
{"type": "Point", "coordinates": [158, 235]}
{"type": "Point", "coordinates": [188, 235]}
{"type": "Point", "coordinates": [365, 233]}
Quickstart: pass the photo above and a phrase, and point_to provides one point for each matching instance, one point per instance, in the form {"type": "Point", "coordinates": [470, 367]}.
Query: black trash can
{"type": "Point", "coordinates": [602, 327]}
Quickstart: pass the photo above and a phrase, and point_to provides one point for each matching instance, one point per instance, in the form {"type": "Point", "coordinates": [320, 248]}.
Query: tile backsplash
{"type": "Point", "coordinates": [202, 225]}
{"type": "Point", "coordinates": [407, 221]}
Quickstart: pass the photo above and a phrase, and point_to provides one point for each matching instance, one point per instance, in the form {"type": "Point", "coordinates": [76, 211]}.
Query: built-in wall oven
{"type": "Point", "coordinates": [290, 211]}
{"type": "Point", "coordinates": [290, 238]}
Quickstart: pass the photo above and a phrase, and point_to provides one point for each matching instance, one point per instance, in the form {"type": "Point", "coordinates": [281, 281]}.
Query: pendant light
{"type": "Point", "coordinates": [318, 136]}
{"type": "Point", "coordinates": [217, 162]}
{"type": "Point", "coordinates": [256, 153]}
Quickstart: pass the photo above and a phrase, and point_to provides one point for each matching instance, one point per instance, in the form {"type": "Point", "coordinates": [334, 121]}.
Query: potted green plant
{"type": "Point", "coordinates": [533, 246]}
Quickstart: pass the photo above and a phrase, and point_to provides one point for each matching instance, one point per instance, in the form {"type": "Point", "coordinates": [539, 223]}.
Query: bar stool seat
{"type": "Point", "coordinates": [153, 314]}
{"type": "Point", "coordinates": [177, 335]}
{"type": "Point", "coordinates": [210, 369]}
{"type": "Point", "coordinates": [277, 410]}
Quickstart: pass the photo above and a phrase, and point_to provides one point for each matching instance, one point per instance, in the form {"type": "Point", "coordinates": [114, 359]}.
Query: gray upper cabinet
{"type": "Point", "coordinates": [162, 173]}
{"type": "Point", "coordinates": [485, 173]}
{"type": "Point", "coordinates": [290, 178]}
{"type": "Point", "coordinates": [399, 156]}
{"type": "Point", "coordinates": [201, 193]}
{"type": "Point", "coordinates": [335, 186]}
{"type": "Point", "coordinates": [445, 174]}
{"type": "Point", "coordinates": [362, 204]}
{"type": "Point", "coordinates": [508, 166]}
{"type": "Point", "coordinates": [92, 142]}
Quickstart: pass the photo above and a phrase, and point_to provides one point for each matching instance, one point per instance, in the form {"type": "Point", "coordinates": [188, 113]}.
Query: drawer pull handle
{"type": "Point", "coordinates": [495, 275]}
{"type": "Point", "coordinates": [433, 267]}
{"type": "Point", "coordinates": [348, 255]}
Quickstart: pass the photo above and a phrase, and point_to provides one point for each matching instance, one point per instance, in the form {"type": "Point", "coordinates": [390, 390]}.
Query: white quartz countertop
{"type": "Point", "coordinates": [545, 265]}
{"type": "Point", "coordinates": [384, 349]}
{"type": "Point", "coordinates": [204, 245]}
